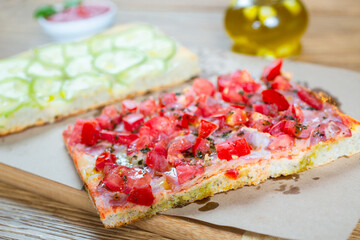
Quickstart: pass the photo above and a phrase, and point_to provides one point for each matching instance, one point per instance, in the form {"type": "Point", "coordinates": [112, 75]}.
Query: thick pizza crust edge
{"type": "Point", "coordinates": [252, 174]}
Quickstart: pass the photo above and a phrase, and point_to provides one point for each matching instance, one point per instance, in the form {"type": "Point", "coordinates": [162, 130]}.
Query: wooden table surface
{"type": "Point", "coordinates": [332, 38]}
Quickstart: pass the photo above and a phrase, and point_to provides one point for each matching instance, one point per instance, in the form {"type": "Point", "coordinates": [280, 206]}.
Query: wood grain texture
{"type": "Point", "coordinates": [162, 225]}
{"type": "Point", "coordinates": [24, 215]}
{"type": "Point", "coordinates": [332, 38]}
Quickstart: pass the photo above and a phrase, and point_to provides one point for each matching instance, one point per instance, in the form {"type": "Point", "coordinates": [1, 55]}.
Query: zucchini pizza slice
{"type": "Point", "coordinates": [51, 82]}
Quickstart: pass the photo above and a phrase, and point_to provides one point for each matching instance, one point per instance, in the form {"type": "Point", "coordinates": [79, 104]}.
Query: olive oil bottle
{"type": "Point", "coordinates": [269, 28]}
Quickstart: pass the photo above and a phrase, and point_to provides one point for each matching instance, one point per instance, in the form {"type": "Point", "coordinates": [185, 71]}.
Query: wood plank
{"type": "Point", "coordinates": [24, 215]}
{"type": "Point", "coordinates": [160, 224]}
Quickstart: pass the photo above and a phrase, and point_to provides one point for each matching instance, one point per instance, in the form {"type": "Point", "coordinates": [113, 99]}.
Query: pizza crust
{"type": "Point", "coordinates": [250, 174]}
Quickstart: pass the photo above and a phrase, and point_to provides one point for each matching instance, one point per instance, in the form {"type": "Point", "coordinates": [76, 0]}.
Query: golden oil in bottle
{"type": "Point", "coordinates": [270, 28]}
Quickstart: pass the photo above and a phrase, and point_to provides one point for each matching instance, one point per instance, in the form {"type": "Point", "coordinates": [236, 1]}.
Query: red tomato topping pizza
{"type": "Point", "coordinates": [150, 156]}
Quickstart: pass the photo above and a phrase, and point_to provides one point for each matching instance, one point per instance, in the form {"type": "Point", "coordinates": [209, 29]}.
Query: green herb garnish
{"type": "Point", "coordinates": [226, 134]}
{"type": "Point", "coordinates": [125, 178]}
{"type": "Point", "coordinates": [145, 150]}
{"type": "Point", "coordinates": [44, 11]}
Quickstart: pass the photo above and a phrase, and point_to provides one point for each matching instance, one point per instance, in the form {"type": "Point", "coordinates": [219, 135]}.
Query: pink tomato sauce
{"type": "Point", "coordinates": [78, 13]}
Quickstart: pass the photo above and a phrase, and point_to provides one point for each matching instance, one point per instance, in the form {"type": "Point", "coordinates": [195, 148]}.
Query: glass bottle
{"type": "Point", "coordinates": [269, 28]}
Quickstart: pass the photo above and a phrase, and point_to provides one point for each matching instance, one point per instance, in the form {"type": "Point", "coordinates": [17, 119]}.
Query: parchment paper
{"type": "Point", "coordinates": [322, 203]}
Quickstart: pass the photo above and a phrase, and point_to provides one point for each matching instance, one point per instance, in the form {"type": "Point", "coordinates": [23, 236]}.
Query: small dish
{"type": "Point", "coordinates": [79, 28]}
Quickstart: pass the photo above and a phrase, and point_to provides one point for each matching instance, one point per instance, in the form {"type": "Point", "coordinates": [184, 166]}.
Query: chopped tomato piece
{"type": "Point", "coordinates": [203, 86]}
{"type": "Point", "coordinates": [105, 123]}
{"type": "Point", "coordinates": [179, 146]}
{"type": "Point", "coordinates": [108, 167]}
{"type": "Point", "coordinates": [235, 148]}
{"type": "Point", "coordinates": [206, 128]}
{"type": "Point", "coordinates": [141, 195]}
{"type": "Point", "coordinates": [148, 107]}
{"type": "Point", "coordinates": [290, 127]}
{"type": "Point", "coordinates": [266, 109]}
{"type": "Point", "coordinates": [166, 99]}
{"type": "Point", "coordinates": [239, 105]}
{"type": "Point", "coordinates": [232, 174]}
{"type": "Point", "coordinates": [186, 119]}
{"type": "Point", "coordinates": [237, 76]}
{"type": "Point", "coordinates": [156, 159]}
{"type": "Point", "coordinates": [120, 179]}
{"type": "Point", "coordinates": [160, 124]}
{"type": "Point", "coordinates": [146, 131]}
{"type": "Point", "coordinates": [236, 117]}
{"type": "Point", "coordinates": [201, 147]}
{"type": "Point", "coordinates": [140, 143]}
{"type": "Point", "coordinates": [295, 129]}
{"type": "Point", "coordinates": [273, 96]}
{"type": "Point", "coordinates": [278, 128]}
{"type": "Point", "coordinates": [129, 105]}
{"type": "Point", "coordinates": [294, 113]}
{"type": "Point", "coordinates": [310, 98]}
{"type": "Point", "coordinates": [221, 113]}
{"type": "Point", "coordinates": [109, 118]}
{"type": "Point", "coordinates": [207, 106]}
{"type": "Point", "coordinates": [241, 80]}
{"type": "Point", "coordinates": [118, 137]}
{"type": "Point", "coordinates": [188, 172]}
{"type": "Point", "coordinates": [223, 81]}
{"type": "Point", "coordinates": [242, 76]}
{"type": "Point", "coordinates": [186, 99]}
{"type": "Point", "coordinates": [220, 117]}
{"type": "Point", "coordinates": [112, 113]}
{"type": "Point", "coordinates": [245, 80]}
{"type": "Point", "coordinates": [298, 130]}
{"type": "Point", "coordinates": [234, 94]}
{"type": "Point", "coordinates": [90, 132]}
{"type": "Point", "coordinates": [259, 121]}
{"type": "Point", "coordinates": [250, 87]}
{"type": "Point", "coordinates": [271, 71]}
{"type": "Point", "coordinates": [280, 83]}
{"type": "Point", "coordinates": [105, 157]}
{"type": "Point", "coordinates": [282, 142]}
{"type": "Point", "coordinates": [133, 121]}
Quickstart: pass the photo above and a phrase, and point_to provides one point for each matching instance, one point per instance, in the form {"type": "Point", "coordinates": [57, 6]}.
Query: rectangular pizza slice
{"type": "Point", "coordinates": [57, 80]}
{"type": "Point", "coordinates": [148, 157]}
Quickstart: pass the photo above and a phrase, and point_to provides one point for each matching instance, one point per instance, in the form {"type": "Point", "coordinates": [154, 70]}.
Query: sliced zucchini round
{"type": "Point", "coordinates": [13, 67]}
{"type": "Point", "coordinates": [8, 106]}
{"type": "Point", "coordinates": [46, 89]}
{"type": "Point", "coordinates": [37, 69]}
{"type": "Point", "coordinates": [14, 88]}
{"type": "Point", "coordinates": [115, 62]}
{"type": "Point", "coordinates": [52, 55]}
{"type": "Point", "coordinates": [133, 37]}
{"type": "Point", "coordinates": [149, 68]}
{"type": "Point", "coordinates": [159, 47]}
{"type": "Point", "coordinates": [80, 65]}
{"type": "Point", "coordinates": [73, 50]}
{"type": "Point", "coordinates": [84, 85]}
{"type": "Point", "coordinates": [100, 44]}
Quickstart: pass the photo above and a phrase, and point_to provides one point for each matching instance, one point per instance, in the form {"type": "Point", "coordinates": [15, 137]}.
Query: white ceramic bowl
{"type": "Point", "coordinates": [72, 30]}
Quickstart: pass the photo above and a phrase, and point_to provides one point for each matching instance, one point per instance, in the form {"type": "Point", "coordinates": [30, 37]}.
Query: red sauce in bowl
{"type": "Point", "coordinates": [78, 13]}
